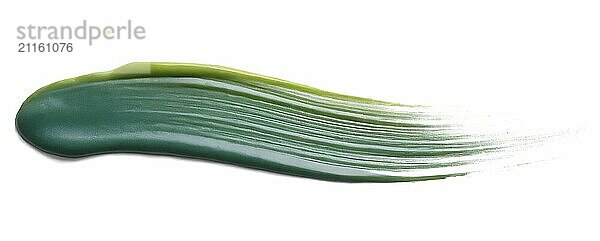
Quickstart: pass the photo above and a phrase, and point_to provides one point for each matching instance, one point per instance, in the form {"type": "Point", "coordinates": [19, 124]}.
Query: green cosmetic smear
{"type": "Point", "coordinates": [245, 119]}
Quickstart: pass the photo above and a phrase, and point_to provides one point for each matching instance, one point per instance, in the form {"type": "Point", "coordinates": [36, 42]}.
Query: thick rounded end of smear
{"type": "Point", "coordinates": [38, 123]}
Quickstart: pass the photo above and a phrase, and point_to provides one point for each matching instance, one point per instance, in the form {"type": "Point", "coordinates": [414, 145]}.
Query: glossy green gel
{"type": "Point", "coordinates": [231, 116]}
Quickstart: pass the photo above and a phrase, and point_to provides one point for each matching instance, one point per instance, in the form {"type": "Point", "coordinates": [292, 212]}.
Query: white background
{"type": "Point", "coordinates": [540, 57]}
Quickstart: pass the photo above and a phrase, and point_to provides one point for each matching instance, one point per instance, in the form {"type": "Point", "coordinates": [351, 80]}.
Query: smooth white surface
{"type": "Point", "coordinates": [535, 58]}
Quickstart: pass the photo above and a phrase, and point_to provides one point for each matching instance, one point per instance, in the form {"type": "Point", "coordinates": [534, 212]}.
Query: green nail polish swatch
{"type": "Point", "coordinates": [231, 116]}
